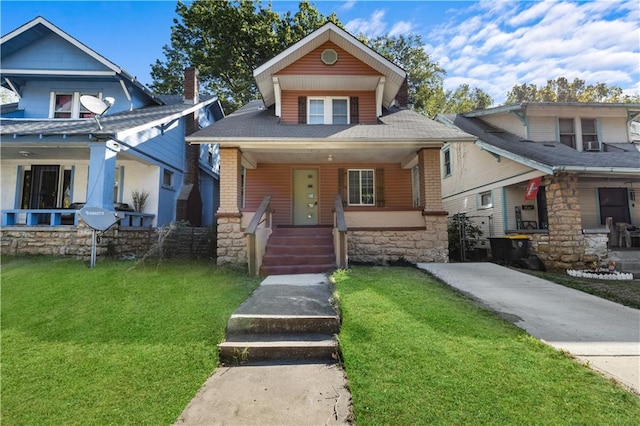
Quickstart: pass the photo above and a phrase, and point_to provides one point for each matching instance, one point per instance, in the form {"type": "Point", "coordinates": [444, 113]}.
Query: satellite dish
{"type": "Point", "coordinates": [96, 106]}
{"type": "Point", "coordinates": [98, 218]}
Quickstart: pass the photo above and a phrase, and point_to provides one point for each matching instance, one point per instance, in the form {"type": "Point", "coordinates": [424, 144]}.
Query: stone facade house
{"type": "Point", "coordinates": [330, 166]}
{"type": "Point", "coordinates": [552, 171]}
{"type": "Point", "coordinates": [57, 156]}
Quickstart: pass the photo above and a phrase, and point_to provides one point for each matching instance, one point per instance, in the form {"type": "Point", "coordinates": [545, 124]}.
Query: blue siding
{"type": "Point", "coordinates": [52, 53]}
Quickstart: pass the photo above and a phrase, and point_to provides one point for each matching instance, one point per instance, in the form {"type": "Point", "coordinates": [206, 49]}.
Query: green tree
{"type": "Point", "coordinates": [465, 99]}
{"type": "Point", "coordinates": [563, 90]}
{"type": "Point", "coordinates": [425, 76]}
{"type": "Point", "coordinates": [226, 40]}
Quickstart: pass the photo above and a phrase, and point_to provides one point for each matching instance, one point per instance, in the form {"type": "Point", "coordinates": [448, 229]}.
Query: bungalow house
{"type": "Point", "coordinates": [57, 155]}
{"type": "Point", "coordinates": [566, 175]}
{"type": "Point", "coordinates": [330, 166]}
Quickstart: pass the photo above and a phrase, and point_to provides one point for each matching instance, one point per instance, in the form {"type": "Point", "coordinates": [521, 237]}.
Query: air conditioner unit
{"type": "Point", "coordinates": [592, 146]}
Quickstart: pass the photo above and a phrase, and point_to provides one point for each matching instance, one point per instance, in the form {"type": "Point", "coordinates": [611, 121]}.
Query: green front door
{"type": "Point", "coordinates": [305, 197]}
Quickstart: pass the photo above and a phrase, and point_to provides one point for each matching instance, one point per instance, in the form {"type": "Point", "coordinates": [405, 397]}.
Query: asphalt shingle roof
{"type": "Point", "coordinates": [552, 154]}
{"type": "Point", "coordinates": [111, 124]}
{"type": "Point", "coordinates": [254, 121]}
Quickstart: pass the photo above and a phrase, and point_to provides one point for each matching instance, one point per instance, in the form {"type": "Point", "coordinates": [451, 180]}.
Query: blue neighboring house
{"type": "Point", "coordinates": [56, 156]}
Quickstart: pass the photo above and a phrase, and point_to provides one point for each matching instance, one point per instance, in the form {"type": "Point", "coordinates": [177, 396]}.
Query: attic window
{"type": "Point", "coordinates": [329, 56]}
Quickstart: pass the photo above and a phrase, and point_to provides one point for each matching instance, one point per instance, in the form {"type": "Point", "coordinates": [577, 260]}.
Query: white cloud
{"type": "Point", "coordinates": [348, 5]}
{"type": "Point", "coordinates": [401, 28]}
{"type": "Point", "coordinates": [501, 44]}
{"type": "Point", "coordinates": [373, 26]}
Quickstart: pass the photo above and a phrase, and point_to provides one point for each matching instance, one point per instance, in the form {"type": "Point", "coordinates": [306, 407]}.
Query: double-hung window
{"type": "Point", "coordinates": [567, 132]}
{"type": "Point", "coordinates": [446, 161]}
{"type": "Point", "coordinates": [361, 187]}
{"type": "Point", "coordinates": [328, 110]}
{"type": "Point", "coordinates": [67, 105]}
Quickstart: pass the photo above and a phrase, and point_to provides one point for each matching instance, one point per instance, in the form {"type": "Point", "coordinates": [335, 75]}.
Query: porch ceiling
{"type": "Point", "coordinates": [404, 154]}
{"type": "Point", "coordinates": [39, 154]}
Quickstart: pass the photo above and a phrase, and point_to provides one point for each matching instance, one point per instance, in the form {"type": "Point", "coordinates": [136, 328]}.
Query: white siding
{"type": "Point", "coordinates": [614, 130]}
{"type": "Point", "coordinates": [507, 121]}
{"type": "Point", "coordinates": [542, 129]}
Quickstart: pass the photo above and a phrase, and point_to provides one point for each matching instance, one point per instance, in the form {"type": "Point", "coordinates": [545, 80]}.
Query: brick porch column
{"type": "Point", "coordinates": [231, 240]}
{"type": "Point", "coordinates": [566, 240]}
{"type": "Point", "coordinates": [436, 240]}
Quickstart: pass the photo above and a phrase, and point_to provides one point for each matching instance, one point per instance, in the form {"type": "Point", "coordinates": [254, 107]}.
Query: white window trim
{"type": "Point", "coordinates": [479, 200]}
{"type": "Point", "coordinates": [328, 107]}
{"type": "Point", "coordinates": [75, 102]}
{"type": "Point", "coordinates": [373, 203]}
{"type": "Point", "coordinates": [446, 150]}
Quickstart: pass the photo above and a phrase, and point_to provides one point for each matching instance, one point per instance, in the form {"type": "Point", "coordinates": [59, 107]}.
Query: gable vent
{"type": "Point", "coordinates": [329, 56]}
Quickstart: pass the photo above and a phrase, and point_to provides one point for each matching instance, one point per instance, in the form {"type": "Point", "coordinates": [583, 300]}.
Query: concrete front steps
{"type": "Point", "coordinates": [289, 317]}
{"type": "Point", "coordinates": [299, 250]}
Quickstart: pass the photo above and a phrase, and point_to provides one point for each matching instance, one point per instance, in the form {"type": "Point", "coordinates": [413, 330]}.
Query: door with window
{"type": "Point", "coordinates": [40, 189]}
{"type": "Point", "coordinates": [305, 197]}
{"type": "Point", "coordinates": [614, 202]}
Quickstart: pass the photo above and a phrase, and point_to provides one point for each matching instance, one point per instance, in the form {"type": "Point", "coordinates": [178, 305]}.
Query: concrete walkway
{"type": "Point", "coordinates": [603, 333]}
{"type": "Point", "coordinates": [283, 392]}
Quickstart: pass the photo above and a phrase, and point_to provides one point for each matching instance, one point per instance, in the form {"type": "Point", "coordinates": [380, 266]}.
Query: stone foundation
{"type": "Point", "coordinates": [387, 246]}
{"type": "Point", "coordinates": [232, 243]}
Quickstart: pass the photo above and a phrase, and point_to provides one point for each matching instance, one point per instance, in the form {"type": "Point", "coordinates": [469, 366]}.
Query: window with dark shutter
{"type": "Point", "coordinates": [302, 110]}
{"type": "Point", "coordinates": [354, 110]}
{"type": "Point", "coordinates": [380, 187]}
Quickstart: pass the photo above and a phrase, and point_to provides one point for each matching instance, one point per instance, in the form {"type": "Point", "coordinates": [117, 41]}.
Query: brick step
{"type": "Point", "coordinates": [296, 269]}
{"type": "Point", "coordinates": [297, 231]}
{"type": "Point", "coordinates": [282, 324]}
{"type": "Point", "coordinates": [255, 347]}
{"type": "Point", "coordinates": [301, 258]}
{"type": "Point", "coordinates": [293, 250]}
{"type": "Point", "coordinates": [299, 240]}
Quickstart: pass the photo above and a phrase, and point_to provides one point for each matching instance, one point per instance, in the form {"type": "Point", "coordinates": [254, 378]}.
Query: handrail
{"type": "Point", "coordinates": [256, 219]}
{"type": "Point", "coordinates": [252, 242]}
{"type": "Point", "coordinates": [341, 222]}
{"type": "Point", "coordinates": [340, 237]}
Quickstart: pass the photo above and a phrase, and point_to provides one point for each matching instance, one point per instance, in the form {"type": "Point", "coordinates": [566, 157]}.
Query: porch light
{"type": "Point", "coordinates": [329, 157]}
{"type": "Point", "coordinates": [25, 153]}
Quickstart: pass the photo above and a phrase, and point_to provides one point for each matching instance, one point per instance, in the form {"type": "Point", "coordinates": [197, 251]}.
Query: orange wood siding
{"type": "Point", "coordinates": [311, 64]}
{"type": "Point", "coordinates": [366, 104]}
{"type": "Point", "coordinates": [276, 180]}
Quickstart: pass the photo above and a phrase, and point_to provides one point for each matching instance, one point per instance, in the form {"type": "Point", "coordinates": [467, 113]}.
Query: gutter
{"type": "Point", "coordinates": [610, 169]}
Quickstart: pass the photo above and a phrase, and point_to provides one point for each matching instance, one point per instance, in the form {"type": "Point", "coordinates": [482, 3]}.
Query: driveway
{"type": "Point", "coordinates": [603, 333]}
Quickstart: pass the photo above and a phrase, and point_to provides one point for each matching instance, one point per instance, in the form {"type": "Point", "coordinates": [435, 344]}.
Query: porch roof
{"type": "Point", "coordinates": [254, 122]}
{"type": "Point", "coordinates": [551, 156]}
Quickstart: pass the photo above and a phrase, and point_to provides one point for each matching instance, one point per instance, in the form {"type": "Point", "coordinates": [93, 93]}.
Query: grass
{"type": "Point", "coordinates": [111, 345]}
{"type": "Point", "coordinates": [416, 352]}
{"type": "Point", "coordinates": [625, 292]}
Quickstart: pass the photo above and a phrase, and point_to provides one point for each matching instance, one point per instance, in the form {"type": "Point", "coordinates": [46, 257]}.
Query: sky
{"type": "Point", "coordinates": [489, 44]}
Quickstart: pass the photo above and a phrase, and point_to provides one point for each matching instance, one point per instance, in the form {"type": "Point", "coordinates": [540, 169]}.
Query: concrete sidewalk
{"type": "Point", "coordinates": [281, 392]}
{"type": "Point", "coordinates": [603, 333]}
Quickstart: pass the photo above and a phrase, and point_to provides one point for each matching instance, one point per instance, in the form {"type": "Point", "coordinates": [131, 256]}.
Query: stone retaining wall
{"type": "Point", "coordinates": [128, 242]}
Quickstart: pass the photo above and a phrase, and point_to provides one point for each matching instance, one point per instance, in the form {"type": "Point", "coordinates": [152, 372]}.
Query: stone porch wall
{"type": "Point", "coordinates": [384, 246]}
{"type": "Point", "coordinates": [76, 242]}
{"type": "Point", "coordinates": [232, 243]}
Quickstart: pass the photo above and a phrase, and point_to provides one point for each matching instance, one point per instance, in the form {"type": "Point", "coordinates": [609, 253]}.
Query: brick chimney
{"type": "Point", "coordinates": [189, 206]}
{"type": "Point", "coordinates": [402, 97]}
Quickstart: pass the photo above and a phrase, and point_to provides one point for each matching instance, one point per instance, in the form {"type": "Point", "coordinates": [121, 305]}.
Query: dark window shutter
{"type": "Point", "coordinates": [379, 187]}
{"type": "Point", "coordinates": [302, 110]}
{"type": "Point", "coordinates": [342, 186]}
{"type": "Point", "coordinates": [355, 108]}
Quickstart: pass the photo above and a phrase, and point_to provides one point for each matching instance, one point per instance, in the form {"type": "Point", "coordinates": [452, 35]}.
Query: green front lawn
{"type": "Point", "coordinates": [116, 344]}
{"type": "Point", "coordinates": [416, 352]}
